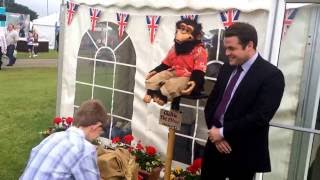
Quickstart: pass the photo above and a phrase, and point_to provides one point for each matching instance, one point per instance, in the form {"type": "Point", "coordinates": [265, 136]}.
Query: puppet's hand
{"type": "Point", "coordinates": [191, 85]}
{"type": "Point", "coordinates": [150, 74]}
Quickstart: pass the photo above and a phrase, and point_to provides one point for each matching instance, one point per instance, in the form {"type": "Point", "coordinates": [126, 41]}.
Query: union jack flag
{"type": "Point", "coordinates": [288, 19]}
{"type": "Point", "coordinates": [71, 9]}
{"type": "Point", "coordinates": [153, 24]}
{"type": "Point", "coordinates": [190, 16]}
{"type": "Point", "coordinates": [229, 17]}
{"type": "Point", "coordinates": [122, 19]}
{"type": "Point", "coordinates": [94, 16]}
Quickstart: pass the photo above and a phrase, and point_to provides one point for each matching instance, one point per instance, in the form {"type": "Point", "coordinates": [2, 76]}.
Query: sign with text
{"type": "Point", "coordinates": [171, 119]}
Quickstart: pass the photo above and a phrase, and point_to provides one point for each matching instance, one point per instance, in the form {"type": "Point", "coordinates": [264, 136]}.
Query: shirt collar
{"type": "Point", "coordinates": [246, 66]}
{"type": "Point", "coordinates": [77, 131]}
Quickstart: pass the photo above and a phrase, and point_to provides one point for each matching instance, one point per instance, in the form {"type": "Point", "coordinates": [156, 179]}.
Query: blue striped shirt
{"type": "Point", "coordinates": [63, 155]}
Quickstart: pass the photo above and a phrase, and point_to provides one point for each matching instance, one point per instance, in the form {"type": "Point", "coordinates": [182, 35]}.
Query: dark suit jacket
{"type": "Point", "coordinates": [246, 120]}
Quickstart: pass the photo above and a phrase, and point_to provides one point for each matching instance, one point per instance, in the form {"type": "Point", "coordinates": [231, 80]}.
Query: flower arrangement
{"type": "Point", "coordinates": [60, 124]}
{"type": "Point", "coordinates": [146, 156]}
{"type": "Point", "coordinates": [192, 172]}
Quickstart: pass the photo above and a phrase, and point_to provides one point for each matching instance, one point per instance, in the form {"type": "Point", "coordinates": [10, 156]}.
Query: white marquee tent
{"type": "Point", "coordinates": [100, 65]}
{"type": "Point", "coordinates": [46, 27]}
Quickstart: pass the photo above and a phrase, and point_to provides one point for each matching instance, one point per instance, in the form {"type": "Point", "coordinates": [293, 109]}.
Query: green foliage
{"type": "Point", "coordinates": [27, 101]}
{"type": "Point", "coordinates": [11, 6]}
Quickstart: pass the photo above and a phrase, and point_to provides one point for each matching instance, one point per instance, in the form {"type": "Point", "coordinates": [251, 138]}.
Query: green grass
{"type": "Point", "coordinates": [27, 106]}
{"type": "Point", "coordinates": [52, 54]}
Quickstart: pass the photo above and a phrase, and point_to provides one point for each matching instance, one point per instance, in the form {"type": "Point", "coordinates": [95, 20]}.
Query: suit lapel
{"type": "Point", "coordinates": [247, 80]}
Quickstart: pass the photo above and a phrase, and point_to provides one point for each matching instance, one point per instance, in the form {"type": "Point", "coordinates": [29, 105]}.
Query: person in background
{"type": "Point", "coordinates": [30, 43]}
{"type": "Point", "coordinates": [35, 43]}
{"type": "Point", "coordinates": [3, 45]}
{"type": "Point", "coordinates": [70, 154]}
{"type": "Point", "coordinates": [12, 39]}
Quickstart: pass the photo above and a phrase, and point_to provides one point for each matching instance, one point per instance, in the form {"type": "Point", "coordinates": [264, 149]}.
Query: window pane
{"type": "Point", "coordinates": [125, 78]}
{"type": "Point", "coordinates": [120, 127]}
{"type": "Point", "coordinates": [182, 150]}
{"type": "Point", "coordinates": [314, 169]}
{"type": "Point", "coordinates": [123, 104]}
{"type": "Point", "coordinates": [202, 130]}
{"type": "Point", "coordinates": [293, 61]}
{"type": "Point", "coordinates": [104, 74]}
{"type": "Point", "coordinates": [288, 150]}
{"type": "Point", "coordinates": [105, 96]}
{"type": "Point", "coordinates": [87, 47]}
{"type": "Point", "coordinates": [99, 34]}
{"type": "Point", "coordinates": [83, 93]}
{"type": "Point", "coordinates": [84, 71]}
{"type": "Point", "coordinates": [188, 121]}
{"type": "Point", "coordinates": [125, 53]}
{"type": "Point", "coordinates": [113, 40]}
{"type": "Point", "coordinates": [105, 54]}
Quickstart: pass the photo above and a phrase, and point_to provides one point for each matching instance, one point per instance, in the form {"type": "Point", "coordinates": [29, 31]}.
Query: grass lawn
{"type": "Point", "coordinates": [27, 103]}
{"type": "Point", "coordinates": [52, 54]}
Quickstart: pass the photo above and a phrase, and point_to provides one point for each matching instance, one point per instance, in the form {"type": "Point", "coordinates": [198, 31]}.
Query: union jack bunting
{"type": "Point", "coordinates": [229, 17]}
{"type": "Point", "coordinates": [190, 16]}
{"type": "Point", "coordinates": [152, 24]}
{"type": "Point", "coordinates": [288, 19]}
{"type": "Point", "coordinates": [94, 16]}
{"type": "Point", "coordinates": [71, 9]}
{"type": "Point", "coordinates": [122, 19]}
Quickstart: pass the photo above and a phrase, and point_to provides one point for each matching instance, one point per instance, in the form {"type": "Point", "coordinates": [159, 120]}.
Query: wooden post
{"type": "Point", "coordinates": [170, 148]}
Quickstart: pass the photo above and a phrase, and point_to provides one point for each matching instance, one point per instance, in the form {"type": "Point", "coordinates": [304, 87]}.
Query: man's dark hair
{"type": "Point", "coordinates": [90, 113]}
{"type": "Point", "coordinates": [245, 33]}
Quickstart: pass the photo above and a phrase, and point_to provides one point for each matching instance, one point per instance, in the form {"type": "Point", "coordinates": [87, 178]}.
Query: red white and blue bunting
{"type": "Point", "coordinates": [190, 16]}
{"type": "Point", "coordinates": [71, 10]}
{"type": "Point", "coordinates": [152, 25]}
{"type": "Point", "coordinates": [229, 17]}
{"type": "Point", "coordinates": [288, 19]}
{"type": "Point", "coordinates": [122, 19]}
{"type": "Point", "coordinates": [94, 16]}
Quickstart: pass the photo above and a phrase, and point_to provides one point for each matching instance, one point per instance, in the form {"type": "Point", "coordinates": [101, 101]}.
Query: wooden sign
{"type": "Point", "coordinates": [171, 118]}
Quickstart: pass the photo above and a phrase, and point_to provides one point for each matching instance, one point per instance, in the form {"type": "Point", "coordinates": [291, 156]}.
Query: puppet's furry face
{"type": "Point", "coordinates": [188, 35]}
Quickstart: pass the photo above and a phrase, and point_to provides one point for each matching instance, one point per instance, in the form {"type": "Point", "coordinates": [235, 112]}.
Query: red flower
{"type": "Point", "coordinates": [197, 163]}
{"type": "Point", "coordinates": [139, 146]}
{"type": "Point", "coordinates": [116, 139]}
{"type": "Point", "coordinates": [130, 149]}
{"type": "Point", "coordinates": [192, 169]}
{"type": "Point", "coordinates": [57, 120]}
{"type": "Point", "coordinates": [128, 138]}
{"type": "Point", "coordinates": [69, 120]}
{"type": "Point", "coordinates": [150, 150]}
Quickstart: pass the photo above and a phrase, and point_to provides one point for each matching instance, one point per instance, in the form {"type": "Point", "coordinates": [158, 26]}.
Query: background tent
{"type": "Point", "coordinates": [46, 28]}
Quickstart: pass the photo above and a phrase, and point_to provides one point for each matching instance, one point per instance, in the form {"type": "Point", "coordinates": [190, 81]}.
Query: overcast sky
{"type": "Point", "coordinates": [40, 6]}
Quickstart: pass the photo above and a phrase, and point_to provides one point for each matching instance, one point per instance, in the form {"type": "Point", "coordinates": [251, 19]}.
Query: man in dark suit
{"type": "Point", "coordinates": [246, 95]}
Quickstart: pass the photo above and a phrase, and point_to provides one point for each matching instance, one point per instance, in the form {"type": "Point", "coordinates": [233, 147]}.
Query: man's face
{"type": "Point", "coordinates": [236, 54]}
{"type": "Point", "coordinates": [10, 27]}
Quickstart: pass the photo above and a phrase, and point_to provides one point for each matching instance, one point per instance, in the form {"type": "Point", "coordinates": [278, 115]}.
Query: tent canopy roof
{"type": "Point", "coordinates": [49, 20]}
{"type": "Point", "coordinates": [243, 5]}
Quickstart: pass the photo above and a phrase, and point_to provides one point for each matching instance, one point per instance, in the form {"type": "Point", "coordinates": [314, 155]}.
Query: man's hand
{"type": "Point", "coordinates": [150, 74]}
{"type": "Point", "coordinates": [223, 147]}
{"type": "Point", "coordinates": [214, 135]}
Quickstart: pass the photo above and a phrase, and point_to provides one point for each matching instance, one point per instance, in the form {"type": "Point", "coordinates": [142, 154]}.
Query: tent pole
{"type": "Point", "coordinates": [60, 59]}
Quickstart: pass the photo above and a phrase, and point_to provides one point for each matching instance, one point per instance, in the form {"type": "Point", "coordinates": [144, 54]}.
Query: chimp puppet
{"type": "Point", "coordinates": [182, 71]}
